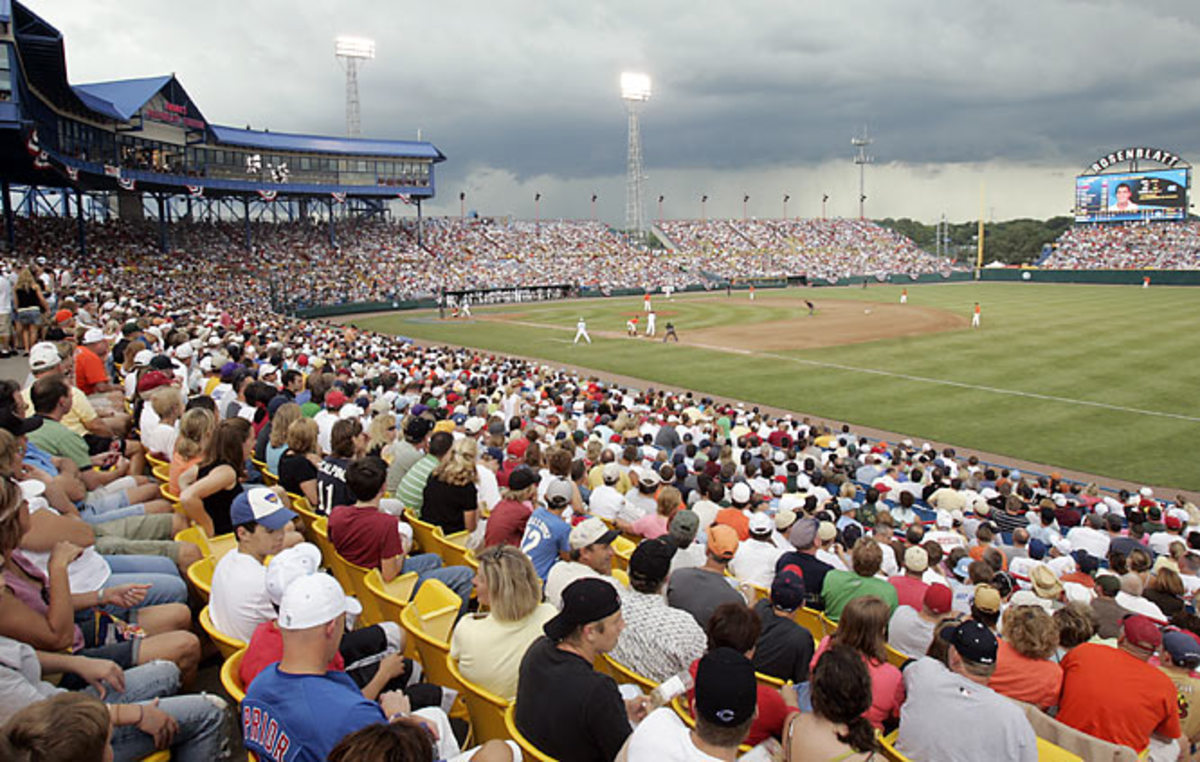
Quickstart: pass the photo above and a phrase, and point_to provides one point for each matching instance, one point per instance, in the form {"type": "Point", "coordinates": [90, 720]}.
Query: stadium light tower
{"type": "Point", "coordinates": [635, 90]}
{"type": "Point", "coordinates": [862, 160]}
{"type": "Point", "coordinates": [351, 51]}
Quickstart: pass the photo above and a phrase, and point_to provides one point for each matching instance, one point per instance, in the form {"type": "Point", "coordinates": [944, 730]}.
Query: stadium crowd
{"type": "Point", "coordinates": [783, 581]}
{"type": "Point", "coordinates": [1132, 246]}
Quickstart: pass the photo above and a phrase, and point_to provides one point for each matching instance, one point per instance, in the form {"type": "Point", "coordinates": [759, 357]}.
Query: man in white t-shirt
{"type": "Point", "coordinates": [755, 559]}
{"type": "Point", "coordinates": [239, 601]}
{"type": "Point", "coordinates": [605, 501]}
{"type": "Point", "coordinates": [726, 698]}
{"type": "Point", "coordinates": [591, 556]}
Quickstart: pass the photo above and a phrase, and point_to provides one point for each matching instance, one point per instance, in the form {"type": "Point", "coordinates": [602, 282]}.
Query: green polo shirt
{"type": "Point", "coordinates": [841, 587]}
{"type": "Point", "coordinates": [57, 439]}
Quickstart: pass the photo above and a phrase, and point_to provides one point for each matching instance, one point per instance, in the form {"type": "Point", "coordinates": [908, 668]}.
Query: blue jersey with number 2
{"type": "Point", "coordinates": [545, 535]}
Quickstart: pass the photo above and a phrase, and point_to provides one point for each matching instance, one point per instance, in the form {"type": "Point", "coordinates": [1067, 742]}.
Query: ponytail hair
{"type": "Point", "coordinates": [841, 693]}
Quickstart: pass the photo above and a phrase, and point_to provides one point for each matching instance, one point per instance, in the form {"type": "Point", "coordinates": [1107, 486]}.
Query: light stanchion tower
{"type": "Point", "coordinates": [862, 160]}
{"type": "Point", "coordinates": [635, 90]}
{"type": "Point", "coordinates": [352, 51]}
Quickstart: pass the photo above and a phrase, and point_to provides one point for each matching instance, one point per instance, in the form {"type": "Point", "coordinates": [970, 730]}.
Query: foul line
{"type": "Point", "coordinates": [908, 377]}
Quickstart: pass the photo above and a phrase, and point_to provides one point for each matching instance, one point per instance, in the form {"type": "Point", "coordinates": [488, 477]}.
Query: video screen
{"type": "Point", "coordinates": [1154, 195]}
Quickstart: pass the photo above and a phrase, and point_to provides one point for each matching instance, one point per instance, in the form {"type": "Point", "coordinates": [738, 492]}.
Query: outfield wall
{"type": "Point", "coordinates": [1010, 275]}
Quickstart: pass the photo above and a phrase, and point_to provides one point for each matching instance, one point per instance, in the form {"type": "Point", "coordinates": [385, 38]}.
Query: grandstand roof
{"type": "Point", "coordinates": [120, 99]}
{"type": "Point", "coordinates": [283, 141]}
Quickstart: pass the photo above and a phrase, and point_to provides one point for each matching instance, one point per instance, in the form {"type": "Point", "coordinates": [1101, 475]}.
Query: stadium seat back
{"type": "Point", "coordinates": [485, 708]}
{"type": "Point", "coordinates": [810, 619]}
{"type": "Point", "coordinates": [620, 575]}
{"type": "Point", "coordinates": [622, 550]}
{"type": "Point", "coordinates": [451, 547]}
{"type": "Point", "coordinates": [320, 529]}
{"type": "Point", "coordinates": [157, 462]}
{"type": "Point", "coordinates": [353, 579]}
{"type": "Point", "coordinates": [307, 514]}
{"type": "Point", "coordinates": [200, 573]}
{"type": "Point", "coordinates": [528, 750]}
{"type": "Point", "coordinates": [231, 678]}
{"type": "Point", "coordinates": [423, 532]}
{"type": "Point", "coordinates": [894, 657]}
{"type": "Point", "coordinates": [429, 619]}
{"type": "Point", "coordinates": [196, 536]}
{"type": "Point", "coordinates": [1068, 740]}
{"type": "Point", "coordinates": [770, 681]}
{"type": "Point", "coordinates": [225, 644]}
{"type": "Point", "coordinates": [391, 598]}
{"type": "Point", "coordinates": [624, 674]}
{"type": "Point", "coordinates": [888, 744]}
{"type": "Point", "coordinates": [162, 474]}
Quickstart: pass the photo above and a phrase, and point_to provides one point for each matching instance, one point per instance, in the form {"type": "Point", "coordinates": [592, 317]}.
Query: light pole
{"type": "Point", "coordinates": [703, 213]}
{"type": "Point", "coordinates": [862, 160]}
{"type": "Point", "coordinates": [593, 207]}
{"type": "Point", "coordinates": [352, 51]}
{"type": "Point", "coordinates": [537, 211]}
{"type": "Point", "coordinates": [660, 200]}
{"type": "Point", "coordinates": [745, 200]}
{"type": "Point", "coordinates": [824, 200]}
{"type": "Point", "coordinates": [635, 90]}
{"type": "Point", "coordinates": [462, 205]}
{"type": "Point", "coordinates": [785, 200]}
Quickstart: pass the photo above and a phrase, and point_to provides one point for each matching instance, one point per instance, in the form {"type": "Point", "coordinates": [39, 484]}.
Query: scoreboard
{"type": "Point", "coordinates": [1153, 195]}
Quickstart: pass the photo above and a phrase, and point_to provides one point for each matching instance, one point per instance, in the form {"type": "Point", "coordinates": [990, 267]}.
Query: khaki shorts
{"type": "Point", "coordinates": [156, 526]}
{"type": "Point", "coordinates": [119, 546]}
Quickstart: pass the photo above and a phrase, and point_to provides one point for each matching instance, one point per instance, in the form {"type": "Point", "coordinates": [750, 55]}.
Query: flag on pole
{"type": "Point", "coordinates": [267, 195]}
{"type": "Point", "coordinates": [112, 171]}
{"type": "Point", "coordinates": [195, 191]}
{"type": "Point", "coordinates": [41, 161]}
{"type": "Point", "coordinates": [339, 196]}
{"type": "Point", "coordinates": [126, 183]}
{"type": "Point", "coordinates": [31, 143]}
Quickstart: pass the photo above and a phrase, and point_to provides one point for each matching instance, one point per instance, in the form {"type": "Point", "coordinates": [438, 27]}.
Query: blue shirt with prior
{"type": "Point", "coordinates": [545, 535]}
{"type": "Point", "coordinates": [300, 718]}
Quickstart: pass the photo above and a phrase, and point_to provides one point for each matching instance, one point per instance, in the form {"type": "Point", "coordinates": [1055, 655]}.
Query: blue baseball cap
{"type": "Point", "coordinates": [260, 505]}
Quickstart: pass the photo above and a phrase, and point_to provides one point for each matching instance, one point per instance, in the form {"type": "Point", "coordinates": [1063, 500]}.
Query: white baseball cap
{"type": "Point", "coordinates": [289, 565]}
{"type": "Point", "coordinates": [44, 356]}
{"type": "Point", "coordinates": [313, 600]}
{"type": "Point", "coordinates": [760, 523]}
{"type": "Point", "coordinates": [92, 336]}
{"type": "Point", "coordinates": [740, 493]}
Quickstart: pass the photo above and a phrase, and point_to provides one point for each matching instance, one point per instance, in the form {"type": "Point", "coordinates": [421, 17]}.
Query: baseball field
{"type": "Point", "coordinates": [1099, 379]}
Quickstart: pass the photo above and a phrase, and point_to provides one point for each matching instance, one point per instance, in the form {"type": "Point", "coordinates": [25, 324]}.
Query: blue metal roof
{"type": "Point", "coordinates": [121, 98]}
{"type": "Point", "coordinates": [282, 141]}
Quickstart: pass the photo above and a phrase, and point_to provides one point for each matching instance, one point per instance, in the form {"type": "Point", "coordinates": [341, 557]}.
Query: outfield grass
{"type": "Point", "coordinates": [1091, 378]}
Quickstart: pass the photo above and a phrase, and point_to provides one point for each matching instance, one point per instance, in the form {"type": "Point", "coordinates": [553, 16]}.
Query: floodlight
{"type": "Point", "coordinates": [354, 47]}
{"type": "Point", "coordinates": [635, 86]}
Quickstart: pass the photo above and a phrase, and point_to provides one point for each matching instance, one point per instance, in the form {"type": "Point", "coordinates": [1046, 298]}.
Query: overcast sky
{"type": "Point", "coordinates": [755, 97]}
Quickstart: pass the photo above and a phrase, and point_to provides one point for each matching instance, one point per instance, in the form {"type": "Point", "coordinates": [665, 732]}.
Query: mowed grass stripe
{"type": "Point", "coordinates": [1091, 378]}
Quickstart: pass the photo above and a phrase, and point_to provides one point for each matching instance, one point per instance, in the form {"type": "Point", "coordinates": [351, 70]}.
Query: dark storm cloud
{"type": "Point", "coordinates": [531, 87]}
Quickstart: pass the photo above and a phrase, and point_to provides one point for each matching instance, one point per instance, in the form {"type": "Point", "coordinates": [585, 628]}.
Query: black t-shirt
{"type": "Point", "coordinates": [814, 575]}
{"type": "Point", "coordinates": [566, 708]}
{"type": "Point", "coordinates": [294, 470]}
{"type": "Point", "coordinates": [784, 648]}
{"type": "Point", "coordinates": [444, 504]}
{"type": "Point", "coordinates": [261, 441]}
{"type": "Point", "coordinates": [331, 484]}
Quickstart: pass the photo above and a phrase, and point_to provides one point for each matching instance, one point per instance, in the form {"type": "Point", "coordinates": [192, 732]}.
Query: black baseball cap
{"type": "Point", "coordinates": [787, 589]}
{"type": "Point", "coordinates": [973, 641]}
{"type": "Point", "coordinates": [521, 478]}
{"type": "Point", "coordinates": [585, 601]}
{"type": "Point", "coordinates": [651, 560]}
{"type": "Point", "coordinates": [726, 689]}
{"type": "Point", "coordinates": [417, 427]}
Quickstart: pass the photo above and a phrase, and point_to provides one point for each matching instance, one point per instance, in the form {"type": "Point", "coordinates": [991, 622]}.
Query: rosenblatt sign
{"type": "Point", "coordinates": [174, 114]}
{"type": "Point", "coordinates": [1135, 154]}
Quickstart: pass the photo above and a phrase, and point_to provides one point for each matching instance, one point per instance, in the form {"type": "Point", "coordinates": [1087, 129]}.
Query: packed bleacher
{"type": "Point", "coordinates": [1131, 246]}
{"type": "Point", "coordinates": [540, 564]}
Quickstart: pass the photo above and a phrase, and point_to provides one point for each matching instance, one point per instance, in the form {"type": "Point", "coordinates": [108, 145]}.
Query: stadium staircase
{"type": "Point", "coordinates": [738, 232]}
{"type": "Point", "coordinates": [664, 239]}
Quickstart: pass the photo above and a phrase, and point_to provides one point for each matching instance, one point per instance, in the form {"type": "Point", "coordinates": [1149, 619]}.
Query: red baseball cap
{"type": "Point", "coordinates": [1142, 632]}
{"type": "Point", "coordinates": [938, 598]}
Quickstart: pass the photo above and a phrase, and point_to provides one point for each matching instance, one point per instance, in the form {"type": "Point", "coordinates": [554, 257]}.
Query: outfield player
{"type": "Point", "coordinates": [670, 334]}
{"type": "Point", "coordinates": [904, 296]}
{"type": "Point", "coordinates": [811, 307]}
{"type": "Point", "coordinates": [650, 327]}
{"type": "Point", "coordinates": [975, 316]}
{"type": "Point", "coordinates": [581, 331]}
{"type": "Point", "coordinates": [751, 292]}
{"type": "Point", "coordinates": [646, 302]}
{"type": "Point", "coordinates": [1145, 281]}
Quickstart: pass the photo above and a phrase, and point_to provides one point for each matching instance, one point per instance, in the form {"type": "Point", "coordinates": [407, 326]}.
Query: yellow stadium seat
{"type": "Point", "coordinates": [231, 678]}
{"type": "Point", "coordinates": [307, 514]}
{"type": "Point", "coordinates": [770, 681]}
{"type": "Point", "coordinates": [622, 550]}
{"type": "Point", "coordinates": [221, 544]}
{"type": "Point", "coordinates": [165, 490]}
{"type": "Point", "coordinates": [157, 756]}
{"type": "Point", "coordinates": [620, 575]}
{"type": "Point", "coordinates": [760, 593]}
{"type": "Point", "coordinates": [353, 580]}
{"type": "Point", "coordinates": [1048, 752]}
{"type": "Point", "coordinates": [485, 708]}
{"type": "Point", "coordinates": [196, 536]}
{"type": "Point", "coordinates": [624, 674]}
{"type": "Point", "coordinates": [320, 529]}
{"type": "Point", "coordinates": [392, 597]}
{"type": "Point", "coordinates": [162, 474]}
{"type": "Point", "coordinates": [810, 619]}
{"type": "Point", "coordinates": [157, 462]}
{"type": "Point", "coordinates": [201, 575]}
{"type": "Point", "coordinates": [828, 624]}
{"type": "Point", "coordinates": [451, 547]}
{"type": "Point", "coordinates": [527, 749]}
{"type": "Point", "coordinates": [429, 619]}
{"type": "Point", "coordinates": [894, 657]}
{"type": "Point", "coordinates": [888, 744]}
{"type": "Point", "coordinates": [423, 532]}
{"type": "Point", "coordinates": [224, 643]}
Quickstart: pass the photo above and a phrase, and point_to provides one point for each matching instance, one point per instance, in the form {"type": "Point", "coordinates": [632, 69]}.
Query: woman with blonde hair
{"type": "Point", "coordinates": [488, 647]}
{"type": "Point", "coordinates": [195, 428]}
{"type": "Point", "coordinates": [31, 307]}
{"type": "Point", "coordinates": [285, 416]}
{"type": "Point", "coordinates": [298, 464]}
{"type": "Point", "coordinates": [381, 435]}
{"type": "Point", "coordinates": [1165, 589]}
{"type": "Point", "coordinates": [1023, 668]}
{"type": "Point", "coordinates": [863, 627]}
{"type": "Point", "coordinates": [451, 497]}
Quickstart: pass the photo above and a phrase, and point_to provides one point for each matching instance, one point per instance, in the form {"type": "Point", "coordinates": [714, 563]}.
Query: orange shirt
{"type": "Point", "coordinates": [976, 553]}
{"type": "Point", "coordinates": [1035, 681]}
{"type": "Point", "coordinates": [89, 370]}
{"type": "Point", "coordinates": [1116, 696]}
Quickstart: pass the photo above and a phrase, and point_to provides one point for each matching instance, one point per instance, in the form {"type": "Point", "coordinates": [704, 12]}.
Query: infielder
{"type": "Point", "coordinates": [650, 329]}
{"type": "Point", "coordinates": [581, 332]}
{"type": "Point", "coordinates": [670, 334]}
{"type": "Point", "coordinates": [631, 326]}
{"type": "Point", "coordinates": [975, 316]}
{"type": "Point", "coordinates": [466, 308]}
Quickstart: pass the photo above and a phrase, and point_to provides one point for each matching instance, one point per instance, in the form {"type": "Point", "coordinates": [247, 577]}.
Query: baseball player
{"type": "Point", "coordinates": [650, 328]}
{"type": "Point", "coordinates": [975, 316]}
{"type": "Point", "coordinates": [581, 331]}
{"type": "Point", "coordinates": [670, 334]}
{"type": "Point", "coordinates": [751, 292]}
{"type": "Point", "coordinates": [904, 296]}
{"type": "Point", "coordinates": [631, 326]}
{"type": "Point", "coordinates": [466, 308]}
{"type": "Point", "coordinates": [811, 307]}
{"type": "Point", "coordinates": [646, 302]}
